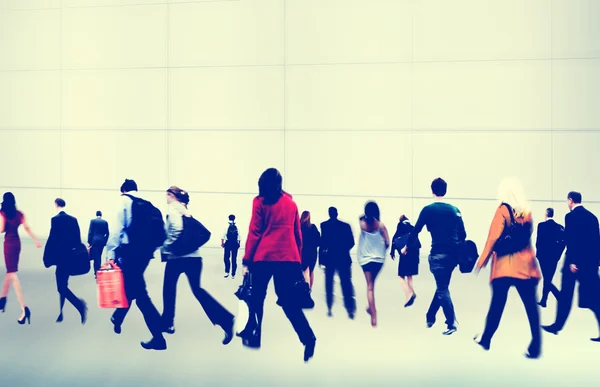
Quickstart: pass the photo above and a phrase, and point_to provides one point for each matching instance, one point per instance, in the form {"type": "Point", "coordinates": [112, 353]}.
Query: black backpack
{"type": "Point", "coordinates": [232, 234]}
{"type": "Point", "coordinates": [193, 236]}
{"type": "Point", "coordinates": [147, 231]}
{"type": "Point", "coordinates": [515, 237]}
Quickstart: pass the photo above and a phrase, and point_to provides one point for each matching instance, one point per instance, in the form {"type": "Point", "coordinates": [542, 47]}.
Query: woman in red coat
{"type": "Point", "coordinates": [273, 251]}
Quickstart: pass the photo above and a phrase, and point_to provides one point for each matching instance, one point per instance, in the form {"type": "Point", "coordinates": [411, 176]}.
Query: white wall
{"type": "Point", "coordinates": [351, 99]}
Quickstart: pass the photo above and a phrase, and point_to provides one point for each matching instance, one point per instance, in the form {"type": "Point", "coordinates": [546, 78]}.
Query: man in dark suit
{"type": "Point", "coordinates": [97, 238]}
{"type": "Point", "coordinates": [336, 242]}
{"type": "Point", "coordinates": [582, 235]}
{"type": "Point", "coordinates": [549, 244]}
{"type": "Point", "coordinates": [64, 236]}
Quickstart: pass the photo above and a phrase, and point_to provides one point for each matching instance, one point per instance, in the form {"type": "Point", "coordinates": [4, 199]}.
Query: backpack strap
{"type": "Point", "coordinates": [510, 212]}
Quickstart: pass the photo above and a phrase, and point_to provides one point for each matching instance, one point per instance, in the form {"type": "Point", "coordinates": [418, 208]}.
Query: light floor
{"type": "Point", "coordinates": [401, 351]}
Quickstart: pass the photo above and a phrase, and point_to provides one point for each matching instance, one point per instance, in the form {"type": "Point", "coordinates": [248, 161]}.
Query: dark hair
{"type": "Point", "coordinates": [550, 212]}
{"type": "Point", "coordinates": [333, 212]}
{"type": "Point", "coordinates": [232, 217]}
{"type": "Point", "coordinates": [403, 218]}
{"type": "Point", "coordinates": [575, 197]}
{"type": "Point", "coordinates": [270, 186]}
{"type": "Point", "coordinates": [439, 187]}
{"type": "Point", "coordinates": [9, 205]}
{"type": "Point", "coordinates": [129, 185]}
{"type": "Point", "coordinates": [180, 194]}
{"type": "Point", "coordinates": [60, 202]}
{"type": "Point", "coordinates": [98, 213]}
{"type": "Point", "coordinates": [371, 212]}
{"type": "Point", "coordinates": [305, 218]}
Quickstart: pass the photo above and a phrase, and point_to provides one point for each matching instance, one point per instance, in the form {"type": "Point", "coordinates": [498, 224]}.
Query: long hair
{"type": "Point", "coordinates": [9, 205]}
{"type": "Point", "coordinates": [305, 219]}
{"type": "Point", "coordinates": [511, 192]}
{"type": "Point", "coordinates": [270, 186]}
{"type": "Point", "coordinates": [403, 218]}
{"type": "Point", "coordinates": [371, 212]}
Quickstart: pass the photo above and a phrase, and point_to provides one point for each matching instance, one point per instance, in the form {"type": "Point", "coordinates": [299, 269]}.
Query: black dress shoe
{"type": "Point", "coordinates": [116, 327]}
{"type": "Point", "coordinates": [351, 316]}
{"type": "Point", "coordinates": [533, 355]}
{"type": "Point", "coordinates": [430, 323]}
{"type": "Point", "coordinates": [309, 350]}
{"type": "Point", "coordinates": [542, 304]}
{"type": "Point", "coordinates": [329, 314]}
{"type": "Point", "coordinates": [154, 344]}
{"type": "Point", "coordinates": [84, 312]}
{"type": "Point", "coordinates": [483, 345]}
{"type": "Point", "coordinates": [550, 329]}
{"type": "Point", "coordinates": [228, 334]}
{"type": "Point", "coordinates": [410, 301]}
{"type": "Point", "coordinates": [59, 319]}
{"type": "Point", "coordinates": [596, 339]}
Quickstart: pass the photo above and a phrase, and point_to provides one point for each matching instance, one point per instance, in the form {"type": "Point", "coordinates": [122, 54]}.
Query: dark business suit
{"type": "Point", "coordinates": [64, 235]}
{"type": "Point", "coordinates": [549, 245]}
{"type": "Point", "coordinates": [336, 242]}
{"type": "Point", "coordinates": [97, 238]}
{"type": "Point", "coordinates": [582, 235]}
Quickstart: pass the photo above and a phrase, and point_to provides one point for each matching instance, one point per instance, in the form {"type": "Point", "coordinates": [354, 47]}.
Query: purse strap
{"type": "Point", "coordinates": [510, 212]}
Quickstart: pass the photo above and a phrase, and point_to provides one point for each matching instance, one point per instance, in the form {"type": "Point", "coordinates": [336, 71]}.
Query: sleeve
{"type": "Point", "coordinates": [351, 242]}
{"type": "Point", "coordinates": [298, 231]}
{"type": "Point", "coordinates": [317, 236]}
{"type": "Point", "coordinates": [77, 230]}
{"type": "Point", "coordinates": [568, 241]}
{"type": "Point", "coordinates": [255, 231]}
{"type": "Point", "coordinates": [118, 229]}
{"type": "Point", "coordinates": [538, 240]}
{"type": "Point", "coordinates": [106, 233]}
{"type": "Point", "coordinates": [461, 232]}
{"type": "Point", "coordinates": [421, 222]}
{"type": "Point", "coordinates": [386, 235]}
{"type": "Point", "coordinates": [90, 233]}
{"type": "Point", "coordinates": [174, 228]}
{"type": "Point", "coordinates": [495, 232]}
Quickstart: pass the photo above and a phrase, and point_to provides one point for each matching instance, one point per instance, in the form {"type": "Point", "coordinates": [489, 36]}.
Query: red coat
{"type": "Point", "coordinates": [274, 234]}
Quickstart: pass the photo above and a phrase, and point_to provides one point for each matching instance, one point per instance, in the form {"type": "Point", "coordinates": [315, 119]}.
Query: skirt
{"type": "Point", "coordinates": [12, 251]}
{"type": "Point", "coordinates": [408, 265]}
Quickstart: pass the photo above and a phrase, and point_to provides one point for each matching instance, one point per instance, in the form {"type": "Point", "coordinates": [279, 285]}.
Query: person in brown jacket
{"type": "Point", "coordinates": [513, 263]}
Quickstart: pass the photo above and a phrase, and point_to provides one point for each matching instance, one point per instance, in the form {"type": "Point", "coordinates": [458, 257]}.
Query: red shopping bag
{"type": "Point", "coordinates": [111, 287]}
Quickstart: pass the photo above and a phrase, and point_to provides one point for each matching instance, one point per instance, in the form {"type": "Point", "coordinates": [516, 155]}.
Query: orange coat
{"type": "Point", "coordinates": [521, 265]}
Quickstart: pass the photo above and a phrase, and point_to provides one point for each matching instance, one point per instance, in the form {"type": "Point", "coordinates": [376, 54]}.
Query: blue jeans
{"type": "Point", "coordinates": [442, 266]}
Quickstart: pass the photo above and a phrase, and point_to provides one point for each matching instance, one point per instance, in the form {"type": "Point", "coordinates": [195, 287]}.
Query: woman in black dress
{"type": "Point", "coordinates": [408, 264]}
{"type": "Point", "coordinates": [310, 243]}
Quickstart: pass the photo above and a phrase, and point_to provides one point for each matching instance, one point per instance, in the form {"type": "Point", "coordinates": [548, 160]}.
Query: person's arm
{"type": "Point", "coordinates": [351, 242]}
{"type": "Point", "coordinates": [117, 233]}
{"type": "Point", "coordinates": [298, 232]}
{"type": "Point", "coordinates": [317, 236]}
{"type": "Point", "coordinates": [30, 232]}
{"type": "Point", "coordinates": [90, 233]}
{"type": "Point", "coordinates": [2, 223]}
{"type": "Point", "coordinates": [77, 230]}
{"type": "Point", "coordinates": [255, 230]}
{"type": "Point", "coordinates": [174, 228]}
{"type": "Point", "coordinates": [414, 234]}
{"type": "Point", "coordinates": [496, 229]}
{"type": "Point", "coordinates": [106, 233]}
{"type": "Point", "coordinates": [461, 232]}
{"type": "Point", "coordinates": [538, 239]}
{"type": "Point", "coordinates": [568, 241]}
{"type": "Point", "coordinates": [384, 233]}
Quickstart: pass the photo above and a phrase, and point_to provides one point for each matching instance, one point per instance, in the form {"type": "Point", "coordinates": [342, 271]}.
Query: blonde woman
{"type": "Point", "coordinates": [513, 263]}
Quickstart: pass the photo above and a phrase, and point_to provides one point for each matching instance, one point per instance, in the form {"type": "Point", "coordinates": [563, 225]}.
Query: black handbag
{"type": "Point", "coordinates": [79, 260]}
{"type": "Point", "coordinates": [514, 238]}
{"type": "Point", "coordinates": [468, 256]}
{"type": "Point", "coordinates": [299, 294]}
{"type": "Point", "coordinates": [193, 236]}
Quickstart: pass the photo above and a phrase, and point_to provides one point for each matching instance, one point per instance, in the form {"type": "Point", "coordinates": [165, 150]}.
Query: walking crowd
{"type": "Point", "coordinates": [285, 246]}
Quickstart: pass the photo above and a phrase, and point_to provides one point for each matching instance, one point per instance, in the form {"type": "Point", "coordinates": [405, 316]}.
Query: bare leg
{"type": "Point", "coordinates": [19, 291]}
{"type": "Point", "coordinates": [6, 284]}
{"type": "Point", "coordinates": [406, 288]}
{"type": "Point", "coordinates": [312, 278]}
{"type": "Point", "coordinates": [307, 275]}
{"type": "Point", "coordinates": [409, 280]}
{"type": "Point", "coordinates": [371, 298]}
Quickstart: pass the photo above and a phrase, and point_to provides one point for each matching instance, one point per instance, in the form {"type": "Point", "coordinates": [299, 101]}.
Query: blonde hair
{"type": "Point", "coordinates": [511, 192]}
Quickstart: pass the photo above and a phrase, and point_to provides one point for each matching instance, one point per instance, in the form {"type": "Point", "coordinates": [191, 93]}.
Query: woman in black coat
{"type": "Point", "coordinates": [310, 243]}
{"type": "Point", "coordinates": [408, 264]}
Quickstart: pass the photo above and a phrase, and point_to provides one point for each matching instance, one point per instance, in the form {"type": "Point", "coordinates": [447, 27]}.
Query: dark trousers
{"type": "Point", "coordinates": [96, 256]}
{"type": "Point", "coordinates": [135, 289]}
{"type": "Point", "coordinates": [442, 266]}
{"type": "Point", "coordinates": [230, 258]}
{"type": "Point", "coordinates": [565, 301]}
{"type": "Point", "coordinates": [192, 268]}
{"type": "Point", "coordinates": [62, 285]}
{"type": "Point", "coordinates": [284, 275]}
{"type": "Point", "coordinates": [344, 271]}
{"type": "Point", "coordinates": [527, 291]}
{"type": "Point", "coordinates": [548, 269]}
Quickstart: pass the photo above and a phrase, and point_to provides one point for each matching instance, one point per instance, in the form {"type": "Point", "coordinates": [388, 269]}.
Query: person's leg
{"type": "Point", "coordinates": [527, 291]}
{"type": "Point", "coordinates": [547, 281]}
{"type": "Point", "coordinates": [149, 311]}
{"type": "Point", "coordinates": [405, 287]}
{"type": "Point", "coordinates": [96, 253]}
{"type": "Point", "coordinates": [6, 284]}
{"type": "Point", "coordinates": [62, 281]}
{"type": "Point", "coordinates": [369, 278]}
{"type": "Point", "coordinates": [227, 254]}
{"type": "Point", "coordinates": [216, 313]}
{"type": "Point", "coordinates": [234, 253]}
{"type": "Point", "coordinates": [553, 289]}
{"type": "Point", "coordinates": [565, 302]}
{"type": "Point", "coordinates": [409, 281]}
{"type": "Point", "coordinates": [306, 275]}
{"type": "Point", "coordinates": [16, 283]}
{"type": "Point", "coordinates": [172, 272]}
{"type": "Point", "coordinates": [312, 276]}
{"type": "Point", "coordinates": [500, 288]}
{"type": "Point", "coordinates": [329, 273]}
{"type": "Point", "coordinates": [261, 276]}
{"type": "Point", "coordinates": [345, 273]}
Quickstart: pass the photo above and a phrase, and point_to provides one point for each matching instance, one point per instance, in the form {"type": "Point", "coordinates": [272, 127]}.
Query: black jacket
{"type": "Point", "coordinates": [64, 236]}
{"type": "Point", "coordinates": [337, 240]}
{"type": "Point", "coordinates": [550, 240]}
{"type": "Point", "coordinates": [582, 235]}
{"type": "Point", "coordinates": [98, 232]}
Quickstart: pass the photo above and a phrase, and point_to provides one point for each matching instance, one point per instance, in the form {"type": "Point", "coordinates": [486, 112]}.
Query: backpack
{"type": "Point", "coordinates": [515, 237]}
{"type": "Point", "coordinates": [193, 236]}
{"type": "Point", "coordinates": [232, 234]}
{"type": "Point", "coordinates": [147, 231]}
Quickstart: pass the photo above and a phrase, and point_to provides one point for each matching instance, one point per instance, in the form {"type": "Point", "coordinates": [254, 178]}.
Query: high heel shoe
{"type": "Point", "coordinates": [27, 317]}
{"type": "Point", "coordinates": [2, 304]}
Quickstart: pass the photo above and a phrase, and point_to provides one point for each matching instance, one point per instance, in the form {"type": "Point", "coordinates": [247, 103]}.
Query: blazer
{"type": "Point", "coordinates": [582, 235]}
{"type": "Point", "coordinates": [274, 233]}
{"type": "Point", "coordinates": [64, 235]}
{"type": "Point", "coordinates": [98, 232]}
{"type": "Point", "coordinates": [549, 243]}
{"type": "Point", "coordinates": [520, 265]}
{"type": "Point", "coordinates": [337, 240]}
